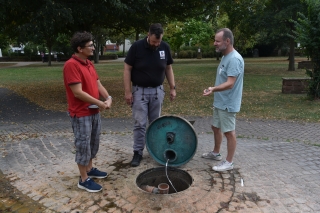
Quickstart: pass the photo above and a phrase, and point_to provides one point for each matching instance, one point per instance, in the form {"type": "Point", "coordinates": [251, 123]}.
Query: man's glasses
{"type": "Point", "coordinates": [90, 46]}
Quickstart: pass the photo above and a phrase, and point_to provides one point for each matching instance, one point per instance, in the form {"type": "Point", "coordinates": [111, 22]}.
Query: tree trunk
{"type": "Point", "coordinates": [101, 50]}
{"type": "Point", "coordinates": [291, 55]}
{"type": "Point", "coordinates": [96, 53]}
{"type": "Point", "coordinates": [49, 43]}
{"type": "Point", "coordinates": [49, 56]}
{"type": "Point", "coordinates": [124, 47]}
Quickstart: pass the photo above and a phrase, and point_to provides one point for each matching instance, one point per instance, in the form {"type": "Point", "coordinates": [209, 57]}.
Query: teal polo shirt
{"type": "Point", "coordinates": [230, 65]}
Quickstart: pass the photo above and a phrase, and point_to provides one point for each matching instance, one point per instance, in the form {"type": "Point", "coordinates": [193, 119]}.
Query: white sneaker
{"type": "Point", "coordinates": [210, 155]}
{"type": "Point", "coordinates": [223, 166]}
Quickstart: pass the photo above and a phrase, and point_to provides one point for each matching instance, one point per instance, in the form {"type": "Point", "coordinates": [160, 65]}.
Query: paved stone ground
{"type": "Point", "coordinates": [279, 162]}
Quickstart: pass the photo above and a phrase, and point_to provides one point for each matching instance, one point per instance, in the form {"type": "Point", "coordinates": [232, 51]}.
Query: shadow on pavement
{"type": "Point", "coordinates": [14, 108]}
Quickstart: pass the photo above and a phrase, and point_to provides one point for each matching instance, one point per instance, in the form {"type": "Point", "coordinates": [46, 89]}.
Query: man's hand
{"type": "Point", "coordinates": [208, 91]}
{"type": "Point", "coordinates": [173, 94]}
{"type": "Point", "coordinates": [108, 102]}
{"type": "Point", "coordinates": [103, 105]}
{"type": "Point", "coordinates": [129, 99]}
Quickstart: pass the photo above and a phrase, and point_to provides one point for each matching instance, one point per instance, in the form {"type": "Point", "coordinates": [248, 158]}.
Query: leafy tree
{"type": "Point", "coordinates": [138, 15]}
{"type": "Point", "coordinates": [192, 32]}
{"type": "Point", "coordinates": [174, 35]}
{"type": "Point", "coordinates": [46, 24]}
{"type": "Point", "coordinates": [4, 41]}
{"type": "Point", "coordinates": [242, 18]}
{"type": "Point", "coordinates": [275, 24]}
{"type": "Point", "coordinates": [30, 49]}
{"type": "Point", "coordinates": [308, 34]}
{"type": "Point", "coordinates": [62, 45]}
{"type": "Point", "coordinates": [43, 21]}
{"type": "Point", "coordinates": [197, 32]}
{"type": "Point", "coordinates": [37, 21]}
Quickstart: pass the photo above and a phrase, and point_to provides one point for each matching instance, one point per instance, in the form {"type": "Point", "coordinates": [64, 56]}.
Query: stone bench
{"type": "Point", "coordinates": [291, 85]}
{"type": "Point", "coordinates": [305, 65]}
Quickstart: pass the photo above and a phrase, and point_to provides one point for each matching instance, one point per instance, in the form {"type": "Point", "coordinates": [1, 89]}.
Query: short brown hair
{"type": "Point", "coordinates": [227, 33]}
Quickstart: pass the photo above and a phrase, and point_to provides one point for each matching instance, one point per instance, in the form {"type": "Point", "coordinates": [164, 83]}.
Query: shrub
{"type": "Point", "coordinates": [191, 52]}
{"type": "Point", "coordinates": [308, 34]}
{"type": "Point", "coordinates": [187, 54]}
{"type": "Point", "coordinates": [118, 53]}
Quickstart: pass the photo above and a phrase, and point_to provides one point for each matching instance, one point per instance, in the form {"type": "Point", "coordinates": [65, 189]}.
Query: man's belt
{"type": "Point", "coordinates": [135, 85]}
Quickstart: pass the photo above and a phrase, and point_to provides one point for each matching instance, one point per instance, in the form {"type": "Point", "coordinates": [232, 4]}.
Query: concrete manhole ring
{"type": "Point", "coordinates": [209, 192]}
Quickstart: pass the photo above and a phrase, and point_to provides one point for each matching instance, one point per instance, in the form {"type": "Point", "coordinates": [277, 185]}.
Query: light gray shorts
{"type": "Point", "coordinates": [224, 120]}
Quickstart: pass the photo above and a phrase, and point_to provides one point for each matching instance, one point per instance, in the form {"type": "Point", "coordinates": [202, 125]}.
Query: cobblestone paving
{"type": "Point", "coordinates": [279, 162]}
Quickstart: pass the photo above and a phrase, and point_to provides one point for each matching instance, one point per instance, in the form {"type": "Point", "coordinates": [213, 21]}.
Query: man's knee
{"type": "Point", "coordinates": [216, 130]}
{"type": "Point", "coordinates": [230, 134]}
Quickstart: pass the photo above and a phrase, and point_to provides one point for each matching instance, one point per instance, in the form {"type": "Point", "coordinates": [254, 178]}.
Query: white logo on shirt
{"type": "Point", "coordinates": [220, 70]}
{"type": "Point", "coordinates": [162, 54]}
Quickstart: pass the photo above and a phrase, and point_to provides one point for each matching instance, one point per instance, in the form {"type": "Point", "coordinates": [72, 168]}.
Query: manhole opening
{"type": "Point", "coordinates": [150, 179]}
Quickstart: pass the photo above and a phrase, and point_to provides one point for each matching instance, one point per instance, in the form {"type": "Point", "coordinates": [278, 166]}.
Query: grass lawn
{"type": "Point", "coordinates": [262, 97]}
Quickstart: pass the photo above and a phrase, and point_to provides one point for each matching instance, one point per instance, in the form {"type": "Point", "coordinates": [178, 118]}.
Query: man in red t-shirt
{"type": "Point", "coordinates": [84, 90]}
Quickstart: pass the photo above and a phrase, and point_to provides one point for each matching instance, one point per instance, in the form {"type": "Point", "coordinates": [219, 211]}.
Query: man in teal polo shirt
{"type": "Point", "coordinates": [227, 98]}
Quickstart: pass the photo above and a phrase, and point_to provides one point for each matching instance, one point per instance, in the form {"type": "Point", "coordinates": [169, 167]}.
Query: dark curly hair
{"type": "Point", "coordinates": [79, 39]}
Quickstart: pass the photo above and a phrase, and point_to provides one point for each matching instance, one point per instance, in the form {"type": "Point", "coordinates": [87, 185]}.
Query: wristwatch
{"type": "Point", "coordinates": [109, 97]}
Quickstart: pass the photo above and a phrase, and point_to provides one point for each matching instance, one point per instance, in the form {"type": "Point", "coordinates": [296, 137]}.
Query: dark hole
{"type": "Point", "coordinates": [180, 179]}
{"type": "Point", "coordinates": [170, 155]}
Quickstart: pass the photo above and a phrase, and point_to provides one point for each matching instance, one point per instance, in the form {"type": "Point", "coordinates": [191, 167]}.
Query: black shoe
{"type": "Point", "coordinates": [136, 159]}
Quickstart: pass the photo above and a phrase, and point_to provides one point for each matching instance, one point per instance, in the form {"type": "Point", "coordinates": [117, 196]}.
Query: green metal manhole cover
{"type": "Point", "coordinates": [171, 138]}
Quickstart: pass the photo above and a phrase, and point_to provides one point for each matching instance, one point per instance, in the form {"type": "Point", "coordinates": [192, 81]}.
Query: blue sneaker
{"type": "Point", "coordinates": [89, 185]}
{"type": "Point", "coordinates": [95, 173]}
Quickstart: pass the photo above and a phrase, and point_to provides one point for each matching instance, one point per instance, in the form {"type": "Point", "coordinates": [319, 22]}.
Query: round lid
{"type": "Point", "coordinates": [171, 138]}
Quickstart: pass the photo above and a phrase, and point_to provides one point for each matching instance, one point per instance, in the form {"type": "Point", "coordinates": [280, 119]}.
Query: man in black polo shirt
{"type": "Point", "coordinates": [147, 63]}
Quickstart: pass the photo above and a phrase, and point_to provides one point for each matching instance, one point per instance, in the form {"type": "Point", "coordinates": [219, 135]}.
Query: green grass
{"type": "Point", "coordinates": [262, 97]}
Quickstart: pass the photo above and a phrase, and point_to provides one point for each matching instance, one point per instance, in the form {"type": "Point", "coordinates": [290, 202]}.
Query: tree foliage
{"type": "Point", "coordinates": [198, 32]}
{"type": "Point", "coordinates": [242, 20]}
{"type": "Point", "coordinates": [308, 35]}
{"type": "Point", "coordinates": [275, 25]}
{"type": "Point", "coordinates": [192, 32]}
{"type": "Point", "coordinates": [42, 21]}
{"type": "Point", "coordinates": [45, 21]}
{"type": "Point", "coordinates": [174, 35]}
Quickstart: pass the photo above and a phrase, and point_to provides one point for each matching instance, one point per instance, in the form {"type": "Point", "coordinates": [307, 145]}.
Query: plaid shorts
{"type": "Point", "coordinates": [86, 132]}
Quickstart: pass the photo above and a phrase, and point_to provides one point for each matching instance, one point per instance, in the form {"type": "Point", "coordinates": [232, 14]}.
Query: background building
{"type": "Point", "coordinates": [112, 47]}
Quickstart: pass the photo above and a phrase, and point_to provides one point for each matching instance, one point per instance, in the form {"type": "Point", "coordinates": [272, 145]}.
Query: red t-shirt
{"type": "Point", "coordinates": [77, 71]}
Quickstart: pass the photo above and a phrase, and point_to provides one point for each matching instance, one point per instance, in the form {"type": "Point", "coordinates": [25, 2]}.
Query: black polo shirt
{"type": "Point", "coordinates": [148, 66]}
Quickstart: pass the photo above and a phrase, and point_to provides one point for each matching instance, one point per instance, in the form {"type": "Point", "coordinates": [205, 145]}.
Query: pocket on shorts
{"type": "Point", "coordinates": [82, 144]}
{"type": "Point", "coordinates": [82, 134]}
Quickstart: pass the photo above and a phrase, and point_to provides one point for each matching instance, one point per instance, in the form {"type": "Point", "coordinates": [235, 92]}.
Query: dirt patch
{"type": "Point", "coordinates": [3, 65]}
{"type": "Point", "coordinates": [12, 200]}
